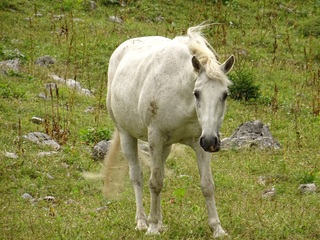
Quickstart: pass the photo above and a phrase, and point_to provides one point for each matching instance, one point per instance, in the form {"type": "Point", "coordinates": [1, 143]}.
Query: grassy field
{"type": "Point", "coordinates": [276, 43]}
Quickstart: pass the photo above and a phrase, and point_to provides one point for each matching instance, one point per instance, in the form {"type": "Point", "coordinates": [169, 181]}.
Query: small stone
{"type": "Point", "coordinates": [93, 5]}
{"type": "Point", "coordinates": [26, 196]}
{"type": "Point", "coordinates": [11, 155]}
{"type": "Point", "coordinates": [100, 209]}
{"type": "Point", "coordinates": [89, 110]}
{"type": "Point", "coordinates": [269, 193]}
{"type": "Point", "coordinates": [70, 201]}
{"type": "Point", "coordinates": [115, 19]}
{"type": "Point", "coordinates": [241, 52]}
{"type": "Point", "coordinates": [58, 17]}
{"type": "Point", "coordinates": [49, 176]}
{"type": "Point", "coordinates": [160, 19]}
{"type": "Point", "coordinates": [44, 96]}
{"type": "Point", "coordinates": [86, 92]}
{"type": "Point", "coordinates": [44, 154]}
{"type": "Point", "coordinates": [307, 188]}
{"type": "Point", "coordinates": [37, 120]}
{"type": "Point", "coordinates": [78, 20]}
{"type": "Point", "coordinates": [65, 165]}
{"type": "Point", "coordinates": [38, 14]}
{"type": "Point", "coordinates": [49, 198]}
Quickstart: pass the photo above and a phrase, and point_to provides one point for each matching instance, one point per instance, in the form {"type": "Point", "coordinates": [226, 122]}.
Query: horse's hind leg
{"type": "Point", "coordinates": [129, 148]}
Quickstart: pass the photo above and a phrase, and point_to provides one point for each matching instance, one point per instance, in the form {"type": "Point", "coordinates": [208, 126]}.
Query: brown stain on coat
{"type": "Point", "coordinates": [154, 107]}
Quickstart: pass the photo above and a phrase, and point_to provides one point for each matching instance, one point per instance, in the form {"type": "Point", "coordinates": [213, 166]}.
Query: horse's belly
{"type": "Point", "coordinates": [126, 118]}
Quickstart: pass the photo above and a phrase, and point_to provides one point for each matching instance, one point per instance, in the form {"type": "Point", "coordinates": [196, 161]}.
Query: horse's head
{"type": "Point", "coordinates": [210, 93]}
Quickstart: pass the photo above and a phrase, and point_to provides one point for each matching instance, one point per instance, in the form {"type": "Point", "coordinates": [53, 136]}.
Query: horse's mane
{"type": "Point", "coordinates": [204, 52]}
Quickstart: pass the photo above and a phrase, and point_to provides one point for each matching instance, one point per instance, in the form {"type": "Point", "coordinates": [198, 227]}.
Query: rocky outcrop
{"type": "Point", "coordinates": [251, 134]}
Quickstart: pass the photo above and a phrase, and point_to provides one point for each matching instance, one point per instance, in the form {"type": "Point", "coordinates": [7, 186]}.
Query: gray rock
{"type": "Point", "coordinates": [103, 208]}
{"type": "Point", "coordinates": [10, 65]}
{"type": "Point", "coordinates": [73, 84]}
{"type": "Point", "coordinates": [86, 92]}
{"type": "Point", "coordinates": [26, 196]}
{"type": "Point", "coordinates": [100, 150]}
{"type": "Point", "coordinates": [93, 5]}
{"type": "Point", "coordinates": [51, 86]}
{"type": "Point", "coordinates": [44, 154]}
{"type": "Point", "coordinates": [58, 17]}
{"type": "Point", "coordinates": [44, 96]}
{"type": "Point", "coordinates": [45, 61]}
{"type": "Point", "coordinates": [115, 19]}
{"type": "Point", "coordinates": [251, 134]}
{"type": "Point", "coordinates": [38, 14]}
{"type": "Point", "coordinates": [57, 78]}
{"type": "Point", "coordinates": [269, 193]}
{"type": "Point", "coordinates": [42, 139]}
{"type": "Point", "coordinates": [89, 110]}
{"type": "Point", "coordinates": [160, 19]}
{"type": "Point", "coordinates": [307, 188]}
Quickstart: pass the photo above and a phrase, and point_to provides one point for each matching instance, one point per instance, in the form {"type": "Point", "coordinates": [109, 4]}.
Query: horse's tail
{"type": "Point", "coordinates": [113, 170]}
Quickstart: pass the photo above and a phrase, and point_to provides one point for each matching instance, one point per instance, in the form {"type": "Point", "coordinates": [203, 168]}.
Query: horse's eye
{"type": "Point", "coordinates": [196, 94]}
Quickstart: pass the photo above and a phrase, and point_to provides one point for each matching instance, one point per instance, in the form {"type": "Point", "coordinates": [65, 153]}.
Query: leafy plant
{"type": "Point", "coordinates": [7, 91]}
{"type": "Point", "coordinates": [311, 28]}
{"type": "Point", "coordinates": [310, 177]}
{"type": "Point", "coordinates": [243, 87]}
{"type": "Point", "coordinates": [11, 54]}
{"type": "Point", "coordinates": [93, 135]}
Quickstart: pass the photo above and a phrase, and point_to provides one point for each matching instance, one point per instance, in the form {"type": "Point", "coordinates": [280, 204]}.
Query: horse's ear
{"type": "Point", "coordinates": [196, 64]}
{"type": "Point", "coordinates": [228, 64]}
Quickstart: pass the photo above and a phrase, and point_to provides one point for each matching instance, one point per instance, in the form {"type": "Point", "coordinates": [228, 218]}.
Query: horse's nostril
{"type": "Point", "coordinates": [202, 142]}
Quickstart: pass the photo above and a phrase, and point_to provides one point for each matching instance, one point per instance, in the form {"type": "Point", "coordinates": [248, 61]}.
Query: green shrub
{"type": "Point", "coordinates": [93, 135]}
{"type": "Point", "coordinates": [311, 28]}
{"type": "Point", "coordinates": [243, 87]}
{"type": "Point", "coordinates": [7, 91]}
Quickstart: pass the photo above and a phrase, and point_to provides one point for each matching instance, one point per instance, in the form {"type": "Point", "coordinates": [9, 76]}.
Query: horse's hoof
{"type": "Point", "coordinates": [219, 233]}
{"type": "Point", "coordinates": [153, 230]}
{"type": "Point", "coordinates": [141, 225]}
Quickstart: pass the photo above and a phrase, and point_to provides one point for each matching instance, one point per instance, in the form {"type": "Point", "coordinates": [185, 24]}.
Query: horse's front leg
{"type": "Point", "coordinates": [158, 154]}
{"type": "Point", "coordinates": [207, 187]}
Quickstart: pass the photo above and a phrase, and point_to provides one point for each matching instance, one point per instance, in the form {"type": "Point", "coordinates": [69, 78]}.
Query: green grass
{"type": "Point", "coordinates": [282, 58]}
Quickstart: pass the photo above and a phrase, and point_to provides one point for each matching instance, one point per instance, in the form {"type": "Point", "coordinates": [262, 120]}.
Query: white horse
{"type": "Point", "coordinates": [166, 91]}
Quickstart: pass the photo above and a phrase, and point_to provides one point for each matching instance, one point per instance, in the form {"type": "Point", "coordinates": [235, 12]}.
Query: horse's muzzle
{"type": "Point", "coordinates": [210, 144]}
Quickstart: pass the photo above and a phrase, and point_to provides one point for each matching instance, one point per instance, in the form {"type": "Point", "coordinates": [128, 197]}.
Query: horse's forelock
{"type": "Point", "coordinates": [204, 52]}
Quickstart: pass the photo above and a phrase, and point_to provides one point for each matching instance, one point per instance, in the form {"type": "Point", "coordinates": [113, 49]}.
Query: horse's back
{"type": "Point", "coordinates": [134, 46]}
{"type": "Point", "coordinates": [146, 77]}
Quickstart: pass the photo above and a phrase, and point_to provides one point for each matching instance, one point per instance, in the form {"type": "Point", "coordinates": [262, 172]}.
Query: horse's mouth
{"type": "Point", "coordinates": [214, 148]}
